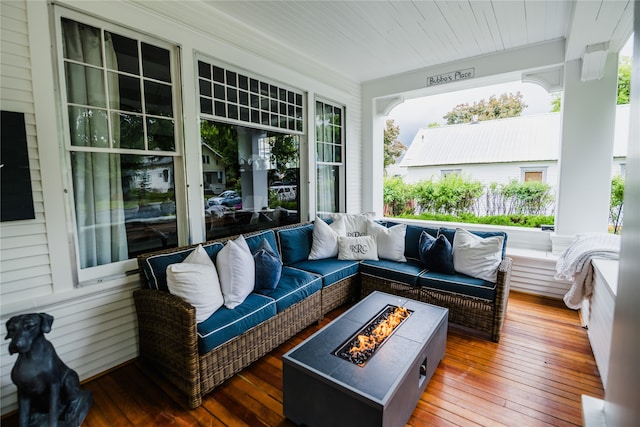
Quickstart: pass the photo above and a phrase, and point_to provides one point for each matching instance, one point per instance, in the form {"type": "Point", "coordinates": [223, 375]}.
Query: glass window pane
{"type": "Point", "coordinates": [320, 152]}
{"type": "Point", "coordinates": [126, 53]}
{"type": "Point", "coordinates": [218, 91]}
{"type": "Point", "coordinates": [231, 79]}
{"type": "Point", "coordinates": [127, 131]}
{"type": "Point", "coordinates": [158, 99]}
{"type": "Point", "coordinates": [232, 95]}
{"type": "Point", "coordinates": [338, 154]}
{"type": "Point", "coordinates": [328, 133]}
{"type": "Point", "coordinates": [88, 127]}
{"type": "Point", "coordinates": [205, 87]}
{"type": "Point", "coordinates": [126, 96]}
{"type": "Point", "coordinates": [243, 98]}
{"type": "Point", "coordinates": [244, 114]}
{"type": "Point", "coordinates": [243, 82]}
{"type": "Point", "coordinates": [124, 206]}
{"type": "Point", "coordinates": [206, 105]}
{"type": "Point", "coordinates": [149, 203]}
{"type": "Point", "coordinates": [76, 38]}
{"type": "Point", "coordinates": [85, 85]}
{"type": "Point", "coordinates": [160, 133]}
{"type": "Point", "coordinates": [337, 134]}
{"type": "Point", "coordinates": [233, 111]}
{"type": "Point", "coordinates": [155, 63]}
{"type": "Point", "coordinates": [220, 109]}
{"type": "Point", "coordinates": [218, 74]}
{"type": "Point", "coordinates": [319, 131]}
{"type": "Point", "coordinates": [204, 70]}
{"type": "Point", "coordinates": [327, 185]}
{"type": "Point", "coordinates": [252, 191]}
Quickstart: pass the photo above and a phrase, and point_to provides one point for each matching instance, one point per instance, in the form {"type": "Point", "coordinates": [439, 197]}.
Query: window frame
{"type": "Point", "coordinates": [536, 169]}
{"type": "Point", "coordinates": [97, 274]}
{"type": "Point", "coordinates": [341, 188]}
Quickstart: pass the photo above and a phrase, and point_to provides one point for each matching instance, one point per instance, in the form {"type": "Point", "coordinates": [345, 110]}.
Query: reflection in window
{"type": "Point", "coordinates": [253, 184]}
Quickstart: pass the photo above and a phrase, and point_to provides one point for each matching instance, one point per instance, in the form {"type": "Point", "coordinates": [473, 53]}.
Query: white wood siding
{"type": "Point", "coordinates": [24, 249]}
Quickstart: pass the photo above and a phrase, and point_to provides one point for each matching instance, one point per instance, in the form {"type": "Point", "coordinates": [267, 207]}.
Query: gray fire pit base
{"type": "Point", "coordinates": [321, 389]}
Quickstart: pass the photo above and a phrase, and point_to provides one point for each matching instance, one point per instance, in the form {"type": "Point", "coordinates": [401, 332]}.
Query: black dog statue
{"type": "Point", "coordinates": [49, 391]}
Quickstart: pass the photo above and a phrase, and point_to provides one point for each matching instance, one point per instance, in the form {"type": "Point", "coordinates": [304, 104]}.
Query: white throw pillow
{"type": "Point", "coordinates": [357, 248]}
{"type": "Point", "coordinates": [390, 240]}
{"type": "Point", "coordinates": [476, 256]}
{"type": "Point", "coordinates": [354, 224]}
{"type": "Point", "coordinates": [237, 272]}
{"type": "Point", "coordinates": [325, 238]}
{"type": "Point", "coordinates": [195, 280]}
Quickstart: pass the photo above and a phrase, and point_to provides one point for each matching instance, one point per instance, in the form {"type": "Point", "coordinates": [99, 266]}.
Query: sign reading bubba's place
{"type": "Point", "coordinates": [453, 76]}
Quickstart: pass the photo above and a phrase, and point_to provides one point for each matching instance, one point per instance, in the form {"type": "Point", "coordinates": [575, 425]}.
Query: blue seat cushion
{"type": "Point", "coordinates": [401, 272]}
{"type": "Point", "coordinates": [225, 324]}
{"type": "Point", "coordinates": [459, 284]}
{"type": "Point", "coordinates": [155, 267]}
{"type": "Point", "coordinates": [294, 286]}
{"type": "Point", "coordinates": [295, 243]}
{"type": "Point", "coordinates": [332, 270]}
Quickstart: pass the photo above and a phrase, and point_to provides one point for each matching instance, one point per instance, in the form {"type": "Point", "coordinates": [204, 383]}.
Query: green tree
{"type": "Point", "coordinates": [624, 80]}
{"type": "Point", "coordinates": [507, 105]}
{"type": "Point", "coordinates": [556, 103]}
{"type": "Point", "coordinates": [616, 203]}
{"type": "Point", "coordinates": [397, 196]}
{"type": "Point", "coordinates": [392, 147]}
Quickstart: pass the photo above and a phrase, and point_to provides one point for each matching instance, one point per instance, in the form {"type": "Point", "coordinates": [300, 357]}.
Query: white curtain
{"type": "Point", "coordinates": [326, 189]}
{"type": "Point", "coordinates": [97, 179]}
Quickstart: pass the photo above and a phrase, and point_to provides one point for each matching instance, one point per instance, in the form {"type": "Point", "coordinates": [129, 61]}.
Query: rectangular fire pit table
{"type": "Point", "coordinates": [322, 389]}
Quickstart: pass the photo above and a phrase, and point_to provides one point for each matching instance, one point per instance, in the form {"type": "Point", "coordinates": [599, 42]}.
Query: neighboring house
{"type": "Point", "coordinates": [525, 148]}
{"type": "Point", "coordinates": [213, 171]}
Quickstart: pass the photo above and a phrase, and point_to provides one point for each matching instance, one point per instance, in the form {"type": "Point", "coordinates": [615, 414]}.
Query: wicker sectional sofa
{"type": "Point", "coordinates": [197, 357]}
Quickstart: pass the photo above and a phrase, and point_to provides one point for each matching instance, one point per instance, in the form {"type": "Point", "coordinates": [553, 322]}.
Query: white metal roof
{"type": "Point", "coordinates": [517, 139]}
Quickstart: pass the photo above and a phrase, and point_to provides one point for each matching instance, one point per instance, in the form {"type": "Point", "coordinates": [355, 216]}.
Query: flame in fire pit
{"type": "Point", "coordinates": [382, 331]}
{"type": "Point", "coordinates": [362, 346]}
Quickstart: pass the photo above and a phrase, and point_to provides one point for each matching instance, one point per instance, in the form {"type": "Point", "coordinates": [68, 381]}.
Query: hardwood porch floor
{"type": "Point", "coordinates": [535, 376]}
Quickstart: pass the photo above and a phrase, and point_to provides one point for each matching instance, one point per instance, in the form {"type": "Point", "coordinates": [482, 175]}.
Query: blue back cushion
{"type": "Point", "coordinates": [255, 240]}
{"type": "Point", "coordinates": [155, 267]}
{"type": "Point", "coordinates": [412, 240]}
{"type": "Point", "coordinates": [295, 243]}
{"type": "Point", "coordinates": [268, 266]}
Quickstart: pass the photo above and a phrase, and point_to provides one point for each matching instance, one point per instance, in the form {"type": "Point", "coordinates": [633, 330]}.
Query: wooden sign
{"type": "Point", "coordinates": [453, 76]}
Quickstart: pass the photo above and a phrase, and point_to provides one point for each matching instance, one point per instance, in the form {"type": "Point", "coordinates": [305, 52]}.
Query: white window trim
{"type": "Point", "coordinates": [524, 170]}
{"type": "Point", "coordinates": [102, 273]}
{"type": "Point", "coordinates": [342, 168]}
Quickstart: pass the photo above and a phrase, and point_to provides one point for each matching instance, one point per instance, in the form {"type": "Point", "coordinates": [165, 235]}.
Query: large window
{"type": "Point", "coordinates": [329, 157]}
{"type": "Point", "coordinates": [119, 93]}
{"type": "Point", "coordinates": [252, 128]}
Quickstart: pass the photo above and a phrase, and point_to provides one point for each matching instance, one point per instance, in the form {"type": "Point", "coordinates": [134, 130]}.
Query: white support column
{"type": "Point", "coordinates": [588, 123]}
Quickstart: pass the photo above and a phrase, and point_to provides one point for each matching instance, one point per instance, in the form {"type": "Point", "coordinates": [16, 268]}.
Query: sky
{"type": "Point", "coordinates": [414, 114]}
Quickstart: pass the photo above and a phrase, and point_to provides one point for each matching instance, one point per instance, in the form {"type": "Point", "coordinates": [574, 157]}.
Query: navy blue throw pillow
{"type": "Point", "coordinates": [435, 253]}
{"type": "Point", "coordinates": [268, 266]}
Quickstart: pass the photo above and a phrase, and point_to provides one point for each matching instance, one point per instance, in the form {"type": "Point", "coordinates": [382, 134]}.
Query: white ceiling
{"type": "Point", "coordinates": [365, 40]}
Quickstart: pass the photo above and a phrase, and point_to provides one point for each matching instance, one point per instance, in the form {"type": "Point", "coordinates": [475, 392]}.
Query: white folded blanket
{"type": "Point", "coordinates": [574, 264]}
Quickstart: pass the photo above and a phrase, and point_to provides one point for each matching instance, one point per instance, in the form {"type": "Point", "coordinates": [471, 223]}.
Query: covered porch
{"type": "Point", "coordinates": [365, 56]}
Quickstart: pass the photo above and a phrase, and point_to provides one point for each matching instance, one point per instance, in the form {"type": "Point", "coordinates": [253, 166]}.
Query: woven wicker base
{"type": "Point", "coordinates": [341, 292]}
{"type": "Point", "coordinates": [483, 316]}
